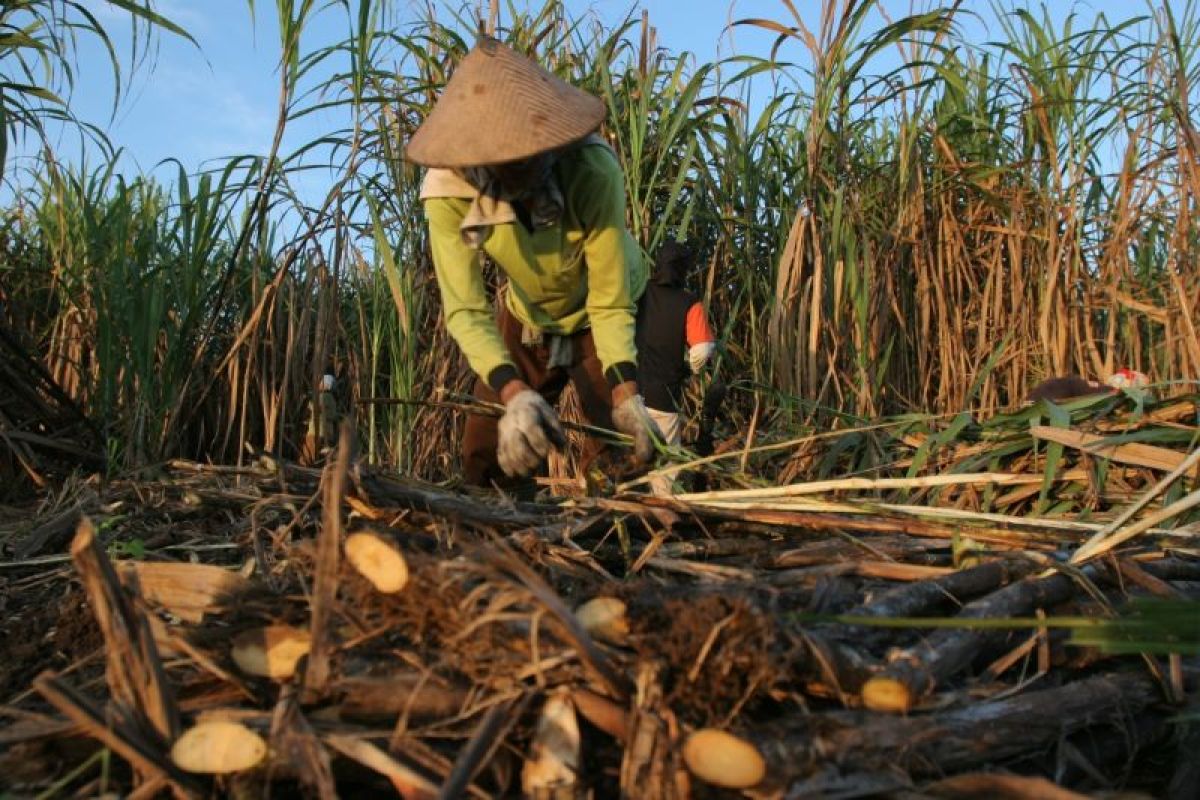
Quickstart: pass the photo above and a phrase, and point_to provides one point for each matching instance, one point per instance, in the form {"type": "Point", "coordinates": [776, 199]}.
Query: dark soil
{"type": "Point", "coordinates": [44, 626]}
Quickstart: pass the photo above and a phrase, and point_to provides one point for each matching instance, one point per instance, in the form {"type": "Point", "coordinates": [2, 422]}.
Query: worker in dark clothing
{"type": "Point", "coordinates": [673, 340]}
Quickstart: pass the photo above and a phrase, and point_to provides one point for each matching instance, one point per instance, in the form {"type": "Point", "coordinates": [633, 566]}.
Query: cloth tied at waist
{"type": "Point", "coordinates": [560, 349]}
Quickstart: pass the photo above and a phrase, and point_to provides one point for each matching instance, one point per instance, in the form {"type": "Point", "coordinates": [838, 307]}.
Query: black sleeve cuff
{"type": "Point", "coordinates": [501, 375]}
{"type": "Point", "coordinates": [620, 372]}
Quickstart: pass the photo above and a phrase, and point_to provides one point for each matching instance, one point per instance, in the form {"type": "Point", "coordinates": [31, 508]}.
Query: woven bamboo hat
{"type": "Point", "coordinates": [499, 106]}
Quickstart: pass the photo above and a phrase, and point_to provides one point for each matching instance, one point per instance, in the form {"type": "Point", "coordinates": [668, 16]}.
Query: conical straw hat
{"type": "Point", "coordinates": [499, 106]}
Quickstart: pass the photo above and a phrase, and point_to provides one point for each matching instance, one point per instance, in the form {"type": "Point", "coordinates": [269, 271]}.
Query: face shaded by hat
{"type": "Point", "coordinates": [500, 107]}
{"type": "Point", "coordinates": [672, 265]}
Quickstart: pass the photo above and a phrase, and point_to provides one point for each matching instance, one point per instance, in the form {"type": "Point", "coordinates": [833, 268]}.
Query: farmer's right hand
{"type": "Point", "coordinates": [631, 418]}
{"type": "Point", "coordinates": [528, 429]}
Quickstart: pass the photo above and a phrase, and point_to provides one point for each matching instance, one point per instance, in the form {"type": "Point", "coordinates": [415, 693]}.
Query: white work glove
{"type": "Point", "coordinates": [631, 418]}
{"type": "Point", "coordinates": [1128, 379]}
{"type": "Point", "coordinates": [698, 355]}
{"type": "Point", "coordinates": [528, 429]}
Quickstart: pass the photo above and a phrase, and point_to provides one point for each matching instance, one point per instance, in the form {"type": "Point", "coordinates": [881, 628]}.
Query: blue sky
{"type": "Point", "coordinates": [206, 103]}
{"type": "Point", "coordinates": [199, 104]}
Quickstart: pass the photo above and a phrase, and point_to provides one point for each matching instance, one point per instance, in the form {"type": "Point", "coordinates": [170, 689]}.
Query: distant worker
{"type": "Point", "coordinates": [518, 173]}
{"type": "Point", "coordinates": [1069, 387]}
{"type": "Point", "coordinates": [673, 340]}
{"type": "Point", "coordinates": [329, 412]}
{"type": "Point", "coordinates": [323, 417]}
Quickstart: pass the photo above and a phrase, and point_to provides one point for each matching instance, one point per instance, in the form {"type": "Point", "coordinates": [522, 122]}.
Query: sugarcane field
{"type": "Point", "coordinates": [562, 399]}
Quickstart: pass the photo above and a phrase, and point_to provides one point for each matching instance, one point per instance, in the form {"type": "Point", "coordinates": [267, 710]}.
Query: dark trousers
{"type": "Point", "coordinates": [482, 431]}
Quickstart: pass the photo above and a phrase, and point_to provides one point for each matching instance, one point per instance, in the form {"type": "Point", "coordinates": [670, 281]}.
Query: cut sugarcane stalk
{"type": "Point", "coordinates": [723, 759]}
{"type": "Point", "coordinates": [602, 712]}
{"type": "Point", "coordinates": [218, 747]}
{"type": "Point", "coordinates": [377, 561]}
{"type": "Point", "coordinates": [604, 618]}
{"type": "Point", "coordinates": [271, 652]}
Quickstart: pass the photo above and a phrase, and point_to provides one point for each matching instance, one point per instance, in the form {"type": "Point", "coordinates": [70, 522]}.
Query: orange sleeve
{"type": "Point", "coordinates": [698, 331]}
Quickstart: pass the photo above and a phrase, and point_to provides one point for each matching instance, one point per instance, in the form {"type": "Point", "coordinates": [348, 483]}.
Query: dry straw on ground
{"type": "Point", "coordinates": [728, 639]}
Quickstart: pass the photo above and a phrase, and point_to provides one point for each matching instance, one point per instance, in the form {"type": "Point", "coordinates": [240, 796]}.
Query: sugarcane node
{"type": "Point", "coordinates": [270, 652]}
{"type": "Point", "coordinates": [378, 561]}
{"type": "Point", "coordinates": [605, 618]}
{"type": "Point", "coordinates": [218, 747]}
{"type": "Point", "coordinates": [883, 693]}
{"type": "Point", "coordinates": [724, 760]}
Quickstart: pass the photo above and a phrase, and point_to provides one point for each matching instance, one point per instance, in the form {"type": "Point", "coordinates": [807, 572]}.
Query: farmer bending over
{"type": "Point", "coordinates": [517, 172]}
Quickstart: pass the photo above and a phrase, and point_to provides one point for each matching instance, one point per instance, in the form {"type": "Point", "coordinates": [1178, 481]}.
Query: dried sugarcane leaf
{"type": "Point", "coordinates": [552, 767]}
{"type": "Point", "coordinates": [411, 784]}
{"type": "Point", "coordinates": [368, 698]}
{"type": "Point", "coordinates": [121, 738]}
{"type": "Point", "coordinates": [188, 591]}
{"type": "Point", "coordinates": [297, 748]}
{"type": "Point", "coordinates": [317, 671]}
{"type": "Point", "coordinates": [135, 673]}
{"type": "Point", "coordinates": [1142, 455]}
{"type": "Point", "coordinates": [649, 766]}
{"type": "Point", "coordinates": [488, 735]}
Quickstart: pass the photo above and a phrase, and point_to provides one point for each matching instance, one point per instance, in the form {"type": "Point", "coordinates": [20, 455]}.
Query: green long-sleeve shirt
{"type": "Point", "coordinates": [585, 270]}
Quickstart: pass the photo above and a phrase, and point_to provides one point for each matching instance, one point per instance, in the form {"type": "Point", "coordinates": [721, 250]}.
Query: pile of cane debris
{"type": "Point", "coordinates": [281, 629]}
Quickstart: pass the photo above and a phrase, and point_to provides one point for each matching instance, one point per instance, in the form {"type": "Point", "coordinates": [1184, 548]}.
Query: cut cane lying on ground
{"type": "Point", "coordinates": [378, 561]}
{"type": "Point", "coordinates": [218, 747]}
{"type": "Point", "coordinates": [270, 652]}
